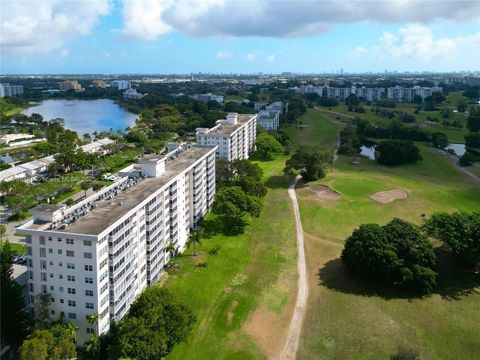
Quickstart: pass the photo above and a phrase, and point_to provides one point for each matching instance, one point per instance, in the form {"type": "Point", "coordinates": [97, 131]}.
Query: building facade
{"type": "Point", "coordinates": [121, 84]}
{"type": "Point", "coordinates": [235, 137]}
{"type": "Point", "coordinates": [269, 119]}
{"type": "Point", "coordinates": [401, 94]}
{"type": "Point", "coordinates": [97, 256]}
{"type": "Point", "coordinates": [70, 85]}
{"type": "Point", "coordinates": [10, 90]}
{"type": "Point", "coordinates": [205, 98]}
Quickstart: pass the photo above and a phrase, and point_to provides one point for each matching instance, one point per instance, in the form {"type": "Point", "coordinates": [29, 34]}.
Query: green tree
{"type": "Point", "coordinates": [310, 161]}
{"type": "Point", "coordinates": [267, 146]}
{"type": "Point", "coordinates": [472, 140]}
{"type": "Point", "coordinates": [85, 185]}
{"type": "Point", "coordinates": [252, 186]}
{"type": "Point", "coordinates": [12, 308]}
{"type": "Point", "coordinates": [473, 122]}
{"type": "Point", "coordinates": [195, 240]}
{"type": "Point", "coordinates": [439, 140]}
{"type": "Point", "coordinates": [397, 152]}
{"type": "Point", "coordinates": [3, 231]}
{"type": "Point", "coordinates": [396, 254]}
{"type": "Point", "coordinates": [459, 231]}
{"type": "Point", "coordinates": [35, 347]}
{"type": "Point", "coordinates": [70, 202]}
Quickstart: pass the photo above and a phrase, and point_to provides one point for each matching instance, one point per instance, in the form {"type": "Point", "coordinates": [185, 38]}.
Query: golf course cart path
{"type": "Point", "coordinates": [294, 331]}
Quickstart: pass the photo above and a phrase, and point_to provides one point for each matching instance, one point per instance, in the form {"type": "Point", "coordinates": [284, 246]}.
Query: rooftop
{"type": "Point", "coordinates": [108, 211]}
{"type": "Point", "coordinates": [223, 129]}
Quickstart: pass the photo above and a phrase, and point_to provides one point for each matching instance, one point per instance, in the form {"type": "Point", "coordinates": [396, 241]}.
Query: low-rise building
{"type": "Point", "coordinates": [99, 84]}
{"type": "Point", "coordinates": [235, 136]}
{"type": "Point", "coordinates": [205, 98]}
{"type": "Point", "coordinates": [70, 85]}
{"type": "Point", "coordinates": [132, 94]}
{"type": "Point", "coordinates": [121, 84]}
{"type": "Point", "coordinates": [10, 90]}
{"type": "Point", "coordinates": [98, 255]}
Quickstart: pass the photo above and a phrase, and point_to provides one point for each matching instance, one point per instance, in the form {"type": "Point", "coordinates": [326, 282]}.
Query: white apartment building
{"type": "Point", "coordinates": [121, 84]}
{"type": "Point", "coordinates": [235, 136]}
{"type": "Point", "coordinates": [205, 98]}
{"type": "Point", "coordinates": [10, 90]}
{"type": "Point", "coordinates": [401, 94]}
{"type": "Point", "coordinates": [132, 94]}
{"type": "Point", "coordinates": [306, 89]}
{"type": "Point", "coordinates": [338, 93]}
{"type": "Point", "coordinates": [368, 93]}
{"type": "Point", "coordinates": [97, 256]}
{"type": "Point", "coordinates": [277, 105]}
{"type": "Point", "coordinates": [269, 119]}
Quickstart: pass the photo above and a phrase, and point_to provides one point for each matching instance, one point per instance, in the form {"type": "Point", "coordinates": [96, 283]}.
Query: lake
{"type": "Point", "coordinates": [368, 151]}
{"type": "Point", "coordinates": [85, 116]}
{"type": "Point", "coordinates": [458, 148]}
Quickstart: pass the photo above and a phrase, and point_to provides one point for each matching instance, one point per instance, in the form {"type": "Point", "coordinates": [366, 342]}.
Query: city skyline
{"type": "Point", "coordinates": [152, 37]}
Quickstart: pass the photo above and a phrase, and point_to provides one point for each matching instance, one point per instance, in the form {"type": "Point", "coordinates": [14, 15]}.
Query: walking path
{"type": "Point", "coordinates": [294, 331]}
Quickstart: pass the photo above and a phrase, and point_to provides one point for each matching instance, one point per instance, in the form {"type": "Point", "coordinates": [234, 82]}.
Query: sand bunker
{"type": "Point", "coordinates": [385, 197]}
{"type": "Point", "coordinates": [324, 192]}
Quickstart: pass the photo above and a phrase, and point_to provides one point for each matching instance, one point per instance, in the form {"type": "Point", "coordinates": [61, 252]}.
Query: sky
{"type": "Point", "coordinates": [237, 36]}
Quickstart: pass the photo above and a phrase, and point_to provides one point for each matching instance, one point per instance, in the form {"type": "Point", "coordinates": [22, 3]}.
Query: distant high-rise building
{"type": "Point", "coordinates": [121, 84]}
{"type": "Point", "coordinates": [10, 90]}
{"type": "Point", "coordinates": [99, 84]}
{"type": "Point", "coordinates": [70, 85]}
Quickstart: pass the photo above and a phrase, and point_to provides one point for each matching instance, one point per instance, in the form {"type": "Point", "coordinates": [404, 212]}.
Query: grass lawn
{"type": "Point", "coordinates": [345, 320]}
{"type": "Point", "coordinates": [19, 249]}
{"type": "Point", "coordinates": [252, 279]}
{"type": "Point", "coordinates": [316, 131]}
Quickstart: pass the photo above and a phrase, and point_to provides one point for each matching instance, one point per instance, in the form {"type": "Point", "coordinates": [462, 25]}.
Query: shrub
{"type": "Point", "coordinates": [397, 152]}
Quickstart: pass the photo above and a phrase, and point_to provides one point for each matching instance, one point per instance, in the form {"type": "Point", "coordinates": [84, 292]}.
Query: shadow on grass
{"type": "Point", "coordinates": [279, 182]}
{"type": "Point", "coordinates": [218, 225]}
{"type": "Point", "coordinates": [453, 283]}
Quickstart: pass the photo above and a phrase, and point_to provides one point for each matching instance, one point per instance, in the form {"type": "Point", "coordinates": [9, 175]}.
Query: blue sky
{"type": "Point", "coordinates": [218, 36]}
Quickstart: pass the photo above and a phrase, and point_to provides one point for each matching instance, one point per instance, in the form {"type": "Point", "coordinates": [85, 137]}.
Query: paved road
{"type": "Point", "coordinates": [294, 331]}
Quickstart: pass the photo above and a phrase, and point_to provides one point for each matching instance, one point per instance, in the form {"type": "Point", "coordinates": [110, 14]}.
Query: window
{"type": "Point", "coordinates": [42, 240]}
{"type": "Point", "coordinates": [87, 243]}
{"type": "Point", "coordinates": [44, 289]}
{"type": "Point", "coordinates": [72, 303]}
{"type": "Point", "coordinates": [50, 262]}
{"type": "Point", "coordinates": [60, 264]}
{"type": "Point", "coordinates": [88, 280]}
{"type": "Point", "coordinates": [88, 268]}
{"type": "Point", "coordinates": [88, 292]}
{"type": "Point", "coordinates": [70, 253]}
{"type": "Point", "coordinates": [60, 288]}
{"type": "Point", "coordinates": [51, 275]}
{"type": "Point", "coordinates": [43, 264]}
{"type": "Point", "coordinates": [87, 255]}
{"type": "Point", "coordinates": [29, 250]}
{"type": "Point", "coordinates": [72, 315]}
{"type": "Point", "coordinates": [43, 276]}
{"type": "Point", "coordinates": [71, 290]}
{"type": "Point", "coordinates": [90, 331]}
{"type": "Point", "coordinates": [52, 288]}
{"type": "Point", "coordinates": [52, 312]}
{"type": "Point", "coordinates": [50, 251]}
{"type": "Point", "coordinates": [59, 239]}
{"type": "Point", "coordinates": [70, 266]}
{"type": "Point", "coordinates": [49, 238]}
{"type": "Point", "coordinates": [52, 299]}
{"type": "Point", "coordinates": [71, 277]}
{"type": "Point", "coordinates": [69, 241]}
{"type": "Point", "coordinates": [89, 305]}
{"type": "Point", "coordinates": [43, 252]}
{"type": "Point", "coordinates": [28, 239]}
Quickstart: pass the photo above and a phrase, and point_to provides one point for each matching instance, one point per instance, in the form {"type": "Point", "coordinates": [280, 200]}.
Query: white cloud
{"type": "Point", "coordinates": [28, 27]}
{"type": "Point", "coordinates": [148, 19]}
{"type": "Point", "coordinates": [224, 54]}
{"type": "Point", "coordinates": [251, 56]}
{"type": "Point", "coordinates": [416, 41]}
{"type": "Point", "coordinates": [64, 53]}
{"type": "Point", "coordinates": [106, 54]}
{"type": "Point", "coordinates": [271, 58]}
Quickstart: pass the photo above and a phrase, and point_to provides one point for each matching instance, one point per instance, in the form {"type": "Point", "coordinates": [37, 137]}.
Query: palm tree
{"type": "Point", "coordinates": [195, 240]}
{"type": "Point", "coordinates": [93, 344]}
{"type": "Point", "coordinates": [72, 329]}
{"type": "Point", "coordinates": [85, 186]}
{"type": "Point", "coordinates": [170, 248]}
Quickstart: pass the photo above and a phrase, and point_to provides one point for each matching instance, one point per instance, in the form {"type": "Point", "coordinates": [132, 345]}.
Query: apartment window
{"type": "Point", "coordinates": [43, 276]}
{"type": "Point", "coordinates": [72, 291]}
{"type": "Point", "coordinates": [52, 299]}
{"type": "Point", "coordinates": [70, 266]}
{"type": "Point", "coordinates": [49, 238]}
{"type": "Point", "coordinates": [87, 243]}
{"type": "Point", "coordinates": [50, 251]}
{"type": "Point", "coordinates": [51, 275]}
{"type": "Point", "coordinates": [52, 312]}
{"type": "Point", "coordinates": [43, 264]}
{"type": "Point", "coordinates": [89, 280]}
{"type": "Point", "coordinates": [42, 240]}
{"type": "Point", "coordinates": [51, 262]}
{"type": "Point", "coordinates": [72, 303]}
{"type": "Point", "coordinates": [60, 289]}
{"type": "Point", "coordinates": [59, 239]}
{"type": "Point", "coordinates": [28, 239]}
{"type": "Point", "coordinates": [72, 316]}
{"type": "Point", "coordinates": [60, 252]}
{"type": "Point", "coordinates": [60, 264]}
{"type": "Point", "coordinates": [44, 289]}
{"type": "Point", "coordinates": [88, 292]}
{"type": "Point", "coordinates": [52, 288]}
{"type": "Point", "coordinates": [87, 255]}
{"type": "Point", "coordinates": [31, 287]}
{"type": "Point", "coordinates": [43, 252]}
{"type": "Point", "coordinates": [70, 253]}
{"type": "Point", "coordinates": [90, 331]}
{"type": "Point", "coordinates": [88, 268]}
{"type": "Point", "coordinates": [29, 250]}
{"type": "Point", "coordinates": [71, 278]}
{"type": "Point", "coordinates": [69, 241]}
{"type": "Point", "coordinates": [89, 305]}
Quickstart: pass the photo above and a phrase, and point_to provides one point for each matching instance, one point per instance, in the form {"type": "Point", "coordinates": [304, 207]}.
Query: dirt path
{"type": "Point", "coordinates": [294, 331]}
{"type": "Point", "coordinates": [336, 113]}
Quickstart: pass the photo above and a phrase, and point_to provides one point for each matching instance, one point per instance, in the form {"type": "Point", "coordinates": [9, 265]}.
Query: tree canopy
{"type": "Point", "coordinates": [397, 152]}
{"type": "Point", "coordinates": [396, 254]}
{"type": "Point", "coordinates": [310, 161]}
{"type": "Point", "coordinates": [267, 146]}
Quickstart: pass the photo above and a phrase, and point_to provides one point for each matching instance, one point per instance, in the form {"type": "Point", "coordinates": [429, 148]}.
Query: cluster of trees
{"type": "Point", "coordinates": [349, 141]}
{"type": "Point", "coordinates": [310, 162]}
{"type": "Point", "coordinates": [156, 321]}
{"type": "Point", "coordinates": [396, 254]}
{"type": "Point", "coordinates": [397, 152]}
{"type": "Point", "coordinates": [399, 254]}
{"type": "Point", "coordinates": [267, 146]}
{"type": "Point", "coordinates": [239, 192]}
{"type": "Point", "coordinates": [472, 140]}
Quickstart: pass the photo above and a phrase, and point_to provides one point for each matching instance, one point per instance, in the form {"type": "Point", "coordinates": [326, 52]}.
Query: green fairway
{"type": "Point", "coordinates": [313, 130]}
{"type": "Point", "coordinates": [255, 270]}
{"type": "Point", "coordinates": [346, 321]}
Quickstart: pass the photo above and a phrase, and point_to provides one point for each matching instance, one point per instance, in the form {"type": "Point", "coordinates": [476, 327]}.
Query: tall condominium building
{"type": "Point", "coordinates": [235, 136]}
{"type": "Point", "coordinates": [121, 84]}
{"type": "Point", "coordinates": [97, 256]}
{"type": "Point", "coordinates": [401, 94]}
{"type": "Point", "coordinates": [369, 93]}
{"type": "Point", "coordinates": [338, 93]}
{"type": "Point", "coordinates": [70, 85]}
{"type": "Point", "coordinates": [205, 98]}
{"type": "Point", "coordinates": [10, 90]}
{"type": "Point", "coordinates": [269, 119]}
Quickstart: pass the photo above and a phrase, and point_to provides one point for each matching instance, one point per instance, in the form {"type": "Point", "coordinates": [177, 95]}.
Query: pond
{"type": "Point", "coordinates": [368, 151]}
{"type": "Point", "coordinates": [458, 148]}
{"type": "Point", "coordinates": [6, 158]}
{"type": "Point", "coordinates": [85, 116]}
